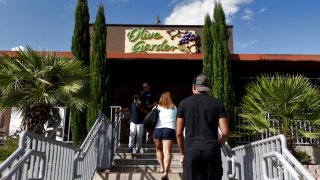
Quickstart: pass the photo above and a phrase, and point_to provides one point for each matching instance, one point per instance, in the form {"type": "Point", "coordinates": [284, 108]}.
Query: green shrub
{"type": "Point", "coordinates": [302, 156]}
{"type": "Point", "coordinates": [8, 148]}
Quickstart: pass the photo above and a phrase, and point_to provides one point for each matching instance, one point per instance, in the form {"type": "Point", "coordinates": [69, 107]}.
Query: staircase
{"type": "Point", "coordinates": [133, 166]}
{"type": "Point", "coordinates": [41, 158]}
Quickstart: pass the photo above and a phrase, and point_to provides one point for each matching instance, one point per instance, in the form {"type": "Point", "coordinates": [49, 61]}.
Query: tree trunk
{"type": "Point", "coordinates": [290, 141]}
{"type": "Point", "coordinates": [35, 118]}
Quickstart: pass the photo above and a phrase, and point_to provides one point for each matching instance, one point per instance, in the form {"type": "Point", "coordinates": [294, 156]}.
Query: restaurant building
{"type": "Point", "coordinates": [168, 56]}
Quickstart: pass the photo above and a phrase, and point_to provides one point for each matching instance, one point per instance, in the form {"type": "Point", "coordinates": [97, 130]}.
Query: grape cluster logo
{"type": "Point", "coordinates": [188, 39]}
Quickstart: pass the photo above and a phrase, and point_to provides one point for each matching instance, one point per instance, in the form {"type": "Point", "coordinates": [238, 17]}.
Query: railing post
{"type": "Point", "coordinates": [102, 145]}
{"type": "Point", "coordinates": [114, 138]}
{"type": "Point", "coordinates": [106, 141]}
{"type": "Point", "coordinates": [109, 143]}
{"type": "Point", "coordinates": [100, 149]}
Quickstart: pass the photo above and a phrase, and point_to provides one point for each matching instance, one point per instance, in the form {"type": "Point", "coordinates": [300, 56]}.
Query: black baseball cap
{"type": "Point", "coordinates": [201, 82]}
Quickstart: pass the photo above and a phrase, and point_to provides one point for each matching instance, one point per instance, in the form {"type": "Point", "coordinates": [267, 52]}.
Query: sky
{"type": "Point", "coordinates": [259, 26]}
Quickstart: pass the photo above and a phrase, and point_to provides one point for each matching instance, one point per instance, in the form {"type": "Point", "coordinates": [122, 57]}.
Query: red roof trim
{"type": "Point", "coordinates": [275, 57]}
{"type": "Point", "coordinates": [239, 57]}
{"type": "Point", "coordinates": [154, 56]}
{"type": "Point", "coordinates": [162, 56]}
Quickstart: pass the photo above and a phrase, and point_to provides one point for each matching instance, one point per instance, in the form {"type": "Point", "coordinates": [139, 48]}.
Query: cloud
{"type": "Point", "coordinates": [3, 2]}
{"type": "Point", "coordinates": [192, 12]}
{"type": "Point", "coordinates": [18, 48]}
{"type": "Point", "coordinates": [244, 45]}
{"type": "Point", "coordinates": [188, 14]}
{"type": "Point", "coordinates": [262, 10]}
{"type": "Point", "coordinates": [173, 1]}
{"type": "Point", "coordinates": [248, 14]}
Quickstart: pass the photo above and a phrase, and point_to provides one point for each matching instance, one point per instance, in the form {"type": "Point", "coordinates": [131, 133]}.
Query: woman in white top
{"type": "Point", "coordinates": [165, 132]}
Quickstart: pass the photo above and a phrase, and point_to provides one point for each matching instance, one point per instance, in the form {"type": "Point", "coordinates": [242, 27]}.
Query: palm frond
{"type": "Point", "coordinates": [289, 98]}
{"type": "Point", "coordinates": [311, 135]}
{"type": "Point", "coordinates": [41, 78]}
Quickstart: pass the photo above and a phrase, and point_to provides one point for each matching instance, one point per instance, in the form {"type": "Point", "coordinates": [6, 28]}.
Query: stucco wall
{"type": "Point", "coordinates": [314, 152]}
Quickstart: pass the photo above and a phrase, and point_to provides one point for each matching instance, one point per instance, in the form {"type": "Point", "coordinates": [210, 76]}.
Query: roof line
{"type": "Point", "coordinates": [199, 56]}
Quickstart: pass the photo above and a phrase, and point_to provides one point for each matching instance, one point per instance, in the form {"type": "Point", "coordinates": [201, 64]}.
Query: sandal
{"type": "Point", "coordinates": [160, 171]}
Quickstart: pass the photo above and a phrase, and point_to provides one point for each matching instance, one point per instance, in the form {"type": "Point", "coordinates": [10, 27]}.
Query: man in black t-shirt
{"type": "Point", "coordinates": [201, 116]}
{"type": "Point", "coordinates": [148, 101]}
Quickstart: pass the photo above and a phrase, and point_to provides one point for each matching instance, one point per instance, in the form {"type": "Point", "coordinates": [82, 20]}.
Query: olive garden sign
{"type": "Point", "coordinates": [140, 40]}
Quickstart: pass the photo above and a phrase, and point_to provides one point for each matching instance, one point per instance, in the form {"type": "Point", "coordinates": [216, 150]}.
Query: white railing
{"type": "Point", "coordinates": [39, 157]}
{"type": "Point", "coordinates": [40, 170]}
{"type": "Point", "coordinates": [96, 152]}
{"type": "Point", "coordinates": [228, 162]}
{"type": "Point", "coordinates": [299, 141]}
{"type": "Point", "coordinates": [268, 159]}
{"type": "Point", "coordinates": [116, 133]}
{"type": "Point", "coordinates": [88, 157]}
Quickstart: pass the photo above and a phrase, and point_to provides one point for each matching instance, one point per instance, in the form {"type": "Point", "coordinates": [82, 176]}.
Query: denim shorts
{"type": "Point", "coordinates": [164, 134]}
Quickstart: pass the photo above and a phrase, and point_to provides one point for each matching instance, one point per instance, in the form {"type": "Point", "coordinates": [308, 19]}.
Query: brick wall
{"type": "Point", "coordinates": [5, 122]}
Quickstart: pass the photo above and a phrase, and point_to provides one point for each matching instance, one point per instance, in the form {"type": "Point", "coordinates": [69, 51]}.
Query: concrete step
{"type": "Point", "coordinates": [134, 176]}
{"type": "Point", "coordinates": [143, 150]}
{"type": "Point", "coordinates": [142, 165]}
{"type": "Point", "coordinates": [143, 168]}
{"type": "Point", "coordinates": [174, 162]}
{"type": "Point", "coordinates": [143, 156]}
{"type": "Point", "coordinates": [146, 146]}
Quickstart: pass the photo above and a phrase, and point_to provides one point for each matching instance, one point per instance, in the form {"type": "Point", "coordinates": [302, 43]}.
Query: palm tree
{"type": "Point", "coordinates": [36, 83]}
{"type": "Point", "coordinates": [288, 98]}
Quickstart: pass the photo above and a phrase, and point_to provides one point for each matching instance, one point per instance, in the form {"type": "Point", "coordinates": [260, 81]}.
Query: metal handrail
{"type": "Point", "coordinates": [117, 128]}
{"type": "Point", "coordinates": [289, 157]}
{"type": "Point", "coordinates": [103, 138]}
{"type": "Point", "coordinates": [30, 142]}
{"type": "Point", "coordinates": [229, 156]}
{"type": "Point", "coordinates": [276, 147]}
{"type": "Point", "coordinates": [25, 157]}
{"type": "Point", "coordinates": [281, 137]}
{"type": "Point", "coordinates": [283, 161]}
{"type": "Point", "coordinates": [233, 166]}
{"type": "Point", "coordinates": [93, 133]}
{"type": "Point", "coordinates": [304, 124]}
{"type": "Point", "coordinates": [26, 134]}
{"type": "Point", "coordinates": [60, 160]}
{"type": "Point", "coordinates": [100, 144]}
{"type": "Point", "coordinates": [7, 163]}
